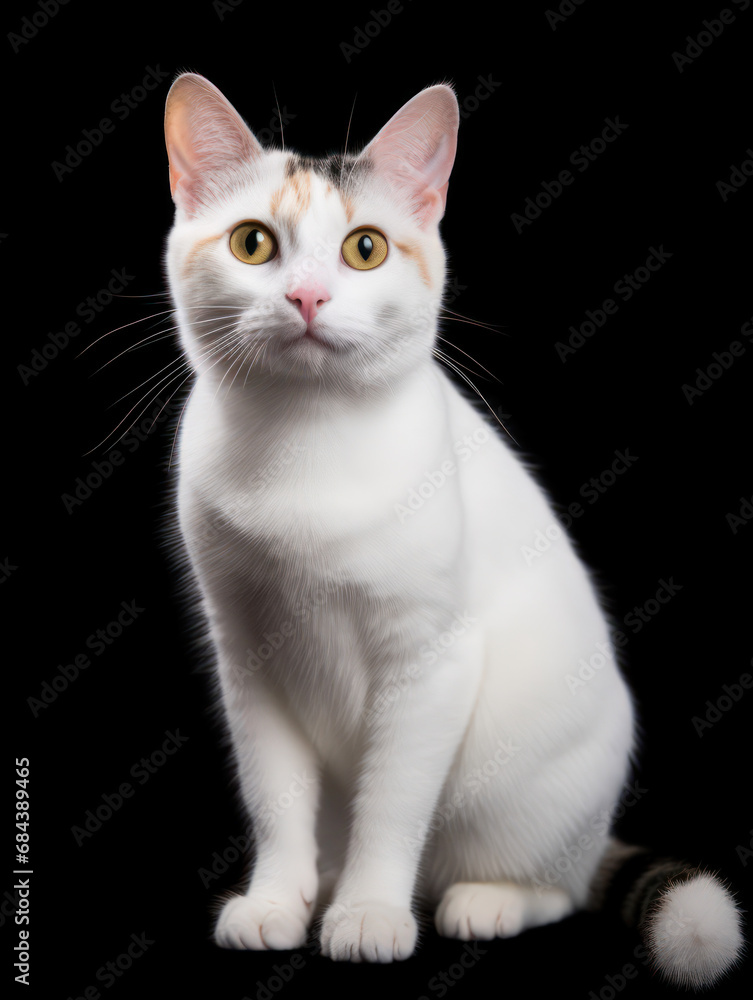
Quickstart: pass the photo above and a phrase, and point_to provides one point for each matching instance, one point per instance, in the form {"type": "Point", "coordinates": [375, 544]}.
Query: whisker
{"type": "Point", "coordinates": [243, 357]}
{"type": "Point", "coordinates": [458, 318]}
{"type": "Point", "coordinates": [347, 136]}
{"type": "Point", "coordinates": [179, 361]}
{"type": "Point", "coordinates": [475, 388]}
{"type": "Point", "coordinates": [443, 356]}
{"type": "Point", "coordinates": [279, 115]}
{"type": "Point", "coordinates": [146, 295]}
{"type": "Point", "coordinates": [182, 365]}
{"type": "Point", "coordinates": [180, 418]}
{"type": "Point", "coordinates": [164, 312]}
{"type": "Point", "coordinates": [490, 374]}
{"type": "Point", "coordinates": [164, 334]}
{"type": "Point", "coordinates": [229, 358]}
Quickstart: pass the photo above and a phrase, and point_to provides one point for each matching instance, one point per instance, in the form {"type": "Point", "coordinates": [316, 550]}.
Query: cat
{"type": "Point", "coordinates": [391, 665]}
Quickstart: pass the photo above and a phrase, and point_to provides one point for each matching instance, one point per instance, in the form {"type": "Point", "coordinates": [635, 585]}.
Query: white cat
{"type": "Point", "coordinates": [393, 664]}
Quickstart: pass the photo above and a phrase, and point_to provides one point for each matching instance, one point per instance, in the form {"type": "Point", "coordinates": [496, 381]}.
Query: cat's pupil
{"type": "Point", "coordinates": [365, 246]}
{"type": "Point", "coordinates": [253, 240]}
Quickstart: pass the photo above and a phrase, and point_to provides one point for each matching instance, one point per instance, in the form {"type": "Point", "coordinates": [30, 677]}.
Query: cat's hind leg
{"type": "Point", "coordinates": [485, 910]}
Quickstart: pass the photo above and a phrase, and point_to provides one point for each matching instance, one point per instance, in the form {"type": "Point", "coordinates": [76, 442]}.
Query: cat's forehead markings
{"type": "Point", "coordinates": [340, 173]}
{"type": "Point", "coordinates": [293, 197]}
{"type": "Point", "coordinates": [348, 206]}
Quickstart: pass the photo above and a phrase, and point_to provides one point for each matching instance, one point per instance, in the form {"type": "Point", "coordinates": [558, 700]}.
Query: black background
{"type": "Point", "coordinates": [66, 573]}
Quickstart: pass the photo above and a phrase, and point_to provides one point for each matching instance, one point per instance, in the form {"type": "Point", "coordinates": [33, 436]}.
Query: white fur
{"type": "Point", "coordinates": [695, 934]}
{"type": "Point", "coordinates": [411, 730]}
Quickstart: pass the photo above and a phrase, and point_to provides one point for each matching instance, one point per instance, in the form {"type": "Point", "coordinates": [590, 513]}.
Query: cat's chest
{"type": "Point", "coordinates": [338, 492]}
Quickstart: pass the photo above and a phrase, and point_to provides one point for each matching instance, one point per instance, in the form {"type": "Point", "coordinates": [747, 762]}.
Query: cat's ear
{"type": "Point", "coordinates": [415, 150]}
{"type": "Point", "coordinates": [204, 135]}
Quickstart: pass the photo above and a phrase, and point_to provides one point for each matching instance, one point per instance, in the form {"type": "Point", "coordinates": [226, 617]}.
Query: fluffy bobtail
{"type": "Point", "coordinates": [686, 915]}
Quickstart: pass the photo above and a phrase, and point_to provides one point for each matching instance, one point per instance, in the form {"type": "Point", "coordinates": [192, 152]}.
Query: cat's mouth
{"type": "Point", "coordinates": [310, 337]}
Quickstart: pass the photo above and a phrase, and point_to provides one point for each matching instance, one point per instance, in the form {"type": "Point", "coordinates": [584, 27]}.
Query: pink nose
{"type": "Point", "coordinates": [309, 299]}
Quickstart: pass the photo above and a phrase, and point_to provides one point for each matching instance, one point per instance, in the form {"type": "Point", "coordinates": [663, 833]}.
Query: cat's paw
{"type": "Point", "coordinates": [481, 911]}
{"type": "Point", "coordinates": [368, 932]}
{"type": "Point", "coordinates": [260, 924]}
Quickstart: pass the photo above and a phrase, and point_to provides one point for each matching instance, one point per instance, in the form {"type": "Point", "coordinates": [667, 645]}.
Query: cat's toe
{"type": "Point", "coordinates": [257, 924]}
{"type": "Point", "coordinates": [368, 932]}
{"type": "Point", "coordinates": [481, 911]}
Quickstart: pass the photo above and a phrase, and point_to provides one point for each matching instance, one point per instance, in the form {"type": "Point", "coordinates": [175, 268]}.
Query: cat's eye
{"type": "Point", "coordinates": [253, 243]}
{"type": "Point", "coordinates": [364, 248]}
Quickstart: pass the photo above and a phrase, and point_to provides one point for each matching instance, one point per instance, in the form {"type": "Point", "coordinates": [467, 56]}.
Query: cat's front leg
{"type": "Point", "coordinates": [278, 773]}
{"type": "Point", "coordinates": [412, 742]}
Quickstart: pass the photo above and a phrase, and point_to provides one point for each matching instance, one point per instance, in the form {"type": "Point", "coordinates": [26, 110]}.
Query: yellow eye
{"type": "Point", "coordinates": [364, 248]}
{"type": "Point", "coordinates": [253, 243]}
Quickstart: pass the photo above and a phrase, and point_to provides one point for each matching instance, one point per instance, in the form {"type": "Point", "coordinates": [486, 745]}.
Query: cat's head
{"type": "Point", "coordinates": [323, 271]}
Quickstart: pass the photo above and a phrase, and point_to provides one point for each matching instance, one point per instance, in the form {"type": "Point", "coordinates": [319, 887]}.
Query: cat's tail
{"type": "Point", "coordinates": [687, 916]}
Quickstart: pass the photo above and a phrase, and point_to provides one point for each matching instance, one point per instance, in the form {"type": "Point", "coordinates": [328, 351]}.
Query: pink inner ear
{"type": "Point", "coordinates": [415, 150]}
{"type": "Point", "coordinates": [204, 135]}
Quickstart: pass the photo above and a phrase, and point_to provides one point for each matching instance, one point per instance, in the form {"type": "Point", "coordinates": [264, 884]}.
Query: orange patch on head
{"type": "Point", "coordinates": [274, 204]}
{"type": "Point", "coordinates": [301, 184]}
{"type": "Point", "coordinates": [292, 198]}
{"type": "Point", "coordinates": [348, 206]}
{"type": "Point", "coordinates": [196, 250]}
{"type": "Point", "coordinates": [413, 251]}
